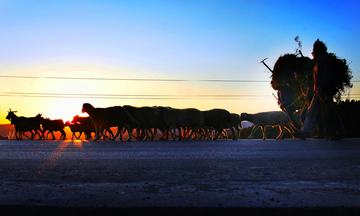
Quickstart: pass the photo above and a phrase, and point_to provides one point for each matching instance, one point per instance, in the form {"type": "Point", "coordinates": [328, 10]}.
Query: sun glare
{"type": "Point", "coordinates": [78, 143]}
{"type": "Point", "coordinates": [65, 109]}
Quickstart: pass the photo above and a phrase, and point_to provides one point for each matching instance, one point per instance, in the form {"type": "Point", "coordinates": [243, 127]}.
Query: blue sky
{"type": "Point", "coordinates": [191, 40]}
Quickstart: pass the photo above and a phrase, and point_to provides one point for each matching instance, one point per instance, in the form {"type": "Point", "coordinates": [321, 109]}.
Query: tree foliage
{"type": "Point", "coordinates": [343, 75]}
{"type": "Point", "coordinates": [286, 65]}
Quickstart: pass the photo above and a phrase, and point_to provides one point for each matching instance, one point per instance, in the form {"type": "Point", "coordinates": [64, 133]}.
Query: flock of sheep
{"type": "Point", "coordinates": [144, 122]}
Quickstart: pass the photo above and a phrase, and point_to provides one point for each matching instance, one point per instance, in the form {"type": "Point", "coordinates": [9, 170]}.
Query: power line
{"type": "Point", "coordinates": [138, 79]}
{"type": "Point", "coordinates": [132, 79]}
{"type": "Point", "coordinates": [139, 97]}
{"type": "Point", "coordinates": [128, 96]}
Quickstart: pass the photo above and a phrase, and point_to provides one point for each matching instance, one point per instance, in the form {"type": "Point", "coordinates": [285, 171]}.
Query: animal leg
{"type": "Point", "coordinates": [32, 135]}
{"type": "Point", "coordinates": [63, 134]}
{"type": "Point", "coordinates": [40, 133]}
{"type": "Point", "coordinates": [263, 129]}
{"type": "Point", "coordinates": [216, 134]}
{"type": "Point", "coordinates": [184, 132]}
{"type": "Point", "coordinates": [146, 137]}
{"type": "Point", "coordinates": [79, 135]}
{"type": "Point", "coordinates": [46, 137]}
{"type": "Point", "coordinates": [189, 133]}
{"type": "Point", "coordinates": [206, 132]}
{"type": "Point", "coordinates": [153, 132]}
{"type": "Point", "coordinates": [234, 133]}
{"type": "Point", "coordinates": [111, 133]}
{"type": "Point", "coordinates": [23, 133]}
{"type": "Point", "coordinates": [16, 135]}
{"type": "Point", "coordinates": [138, 133]}
{"type": "Point", "coordinates": [238, 130]}
{"type": "Point", "coordinates": [52, 133]}
{"type": "Point", "coordinates": [291, 131]}
{"type": "Point", "coordinates": [165, 135]}
{"type": "Point", "coordinates": [253, 131]}
{"type": "Point", "coordinates": [174, 133]}
{"type": "Point", "coordinates": [36, 133]}
{"type": "Point", "coordinates": [129, 132]}
{"type": "Point", "coordinates": [119, 128]}
{"type": "Point", "coordinates": [282, 131]}
{"type": "Point", "coordinates": [196, 135]}
{"type": "Point", "coordinates": [96, 133]}
{"type": "Point", "coordinates": [73, 135]}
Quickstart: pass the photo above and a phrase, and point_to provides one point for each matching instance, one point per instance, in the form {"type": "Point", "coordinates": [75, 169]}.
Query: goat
{"type": "Point", "coordinates": [51, 126]}
{"type": "Point", "coordinates": [24, 124]}
{"type": "Point", "coordinates": [115, 116]}
{"type": "Point", "coordinates": [75, 128]}
{"type": "Point", "coordinates": [190, 118]}
{"type": "Point", "coordinates": [219, 119]}
{"type": "Point", "coordinates": [274, 118]}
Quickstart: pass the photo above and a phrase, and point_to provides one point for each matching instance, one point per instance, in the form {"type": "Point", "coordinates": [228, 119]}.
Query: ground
{"type": "Point", "coordinates": [269, 177]}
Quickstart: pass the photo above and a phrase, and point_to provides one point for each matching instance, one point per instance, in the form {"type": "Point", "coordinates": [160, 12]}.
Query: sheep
{"type": "Point", "coordinates": [273, 118]}
{"type": "Point", "coordinates": [140, 115]}
{"type": "Point", "coordinates": [223, 134]}
{"type": "Point", "coordinates": [189, 118]}
{"type": "Point", "coordinates": [87, 125]}
{"type": "Point", "coordinates": [74, 128]}
{"type": "Point", "coordinates": [147, 120]}
{"type": "Point", "coordinates": [115, 116]}
{"type": "Point", "coordinates": [219, 119]}
{"type": "Point", "coordinates": [158, 123]}
{"type": "Point", "coordinates": [24, 124]}
{"type": "Point", "coordinates": [235, 122]}
{"type": "Point", "coordinates": [51, 126]}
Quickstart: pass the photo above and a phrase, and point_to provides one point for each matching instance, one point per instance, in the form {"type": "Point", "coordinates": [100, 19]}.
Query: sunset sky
{"type": "Point", "coordinates": [201, 54]}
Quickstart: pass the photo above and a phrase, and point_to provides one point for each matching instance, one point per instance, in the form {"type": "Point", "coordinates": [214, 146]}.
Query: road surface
{"type": "Point", "coordinates": [180, 176]}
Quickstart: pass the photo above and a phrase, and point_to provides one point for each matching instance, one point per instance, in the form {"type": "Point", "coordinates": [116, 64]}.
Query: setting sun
{"type": "Point", "coordinates": [65, 109]}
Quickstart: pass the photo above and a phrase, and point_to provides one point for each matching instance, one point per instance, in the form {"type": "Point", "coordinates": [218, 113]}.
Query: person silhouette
{"type": "Point", "coordinates": [324, 91]}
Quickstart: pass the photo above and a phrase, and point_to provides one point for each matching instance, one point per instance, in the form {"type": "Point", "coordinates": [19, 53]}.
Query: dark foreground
{"type": "Point", "coordinates": [156, 211]}
{"type": "Point", "coordinates": [253, 177]}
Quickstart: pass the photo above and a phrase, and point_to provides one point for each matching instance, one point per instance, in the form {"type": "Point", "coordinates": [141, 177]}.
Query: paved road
{"type": "Point", "coordinates": [246, 174]}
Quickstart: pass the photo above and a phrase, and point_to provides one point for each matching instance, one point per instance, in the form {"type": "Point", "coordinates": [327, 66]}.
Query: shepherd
{"type": "Point", "coordinates": [324, 90]}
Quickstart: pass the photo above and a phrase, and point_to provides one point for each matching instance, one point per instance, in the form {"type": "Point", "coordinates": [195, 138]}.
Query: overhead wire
{"type": "Point", "coordinates": [128, 96]}
{"type": "Point", "coordinates": [130, 79]}
{"type": "Point", "coordinates": [137, 79]}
